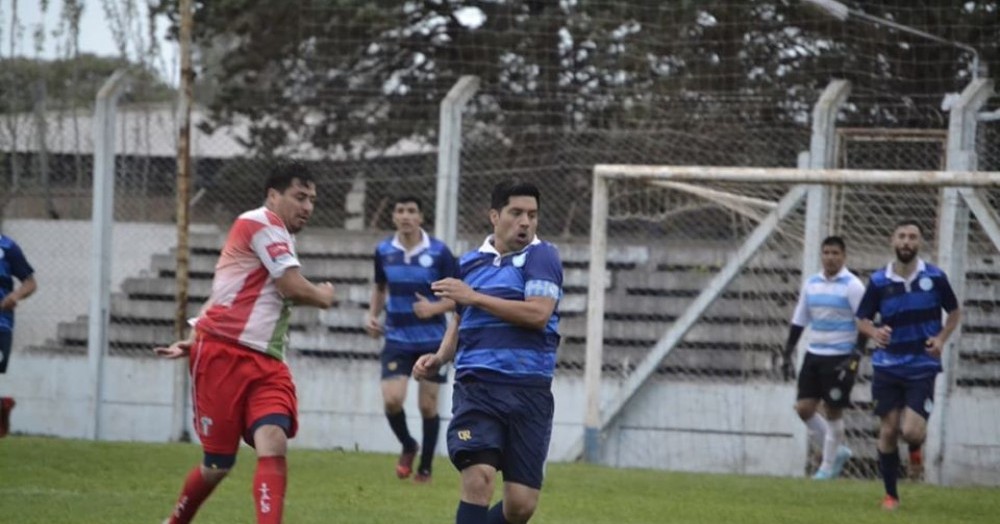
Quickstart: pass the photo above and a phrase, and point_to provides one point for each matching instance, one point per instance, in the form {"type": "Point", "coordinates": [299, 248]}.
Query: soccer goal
{"type": "Point", "coordinates": [683, 349]}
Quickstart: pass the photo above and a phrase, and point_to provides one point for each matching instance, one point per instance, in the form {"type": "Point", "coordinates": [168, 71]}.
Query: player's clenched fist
{"type": "Point", "coordinates": [427, 366]}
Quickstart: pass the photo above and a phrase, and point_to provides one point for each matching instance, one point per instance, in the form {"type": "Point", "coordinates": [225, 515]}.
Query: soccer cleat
{"type": "Point", "coordinates": [823, 474]}
{"type": "Point", "coordinates": [6, 405]}
{"type": "Point", "coordinates": [843, 455]}
{"type": "Point", "coordinates": [423, 476]}
{"type": "Point", "coordinates": [890, 503]}
{"type": "Point", "coordinates": [404, 467]}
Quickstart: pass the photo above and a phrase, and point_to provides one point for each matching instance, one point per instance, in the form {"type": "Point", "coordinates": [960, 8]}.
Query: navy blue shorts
{"type": "Point", "coordinates": [397, 363]}
{"type": "Point", "coordinates": [891, 392]}
{"type": "Point", "coordinates": [515, 421]}
{"type": "Point", "coordinates": [6, 340]}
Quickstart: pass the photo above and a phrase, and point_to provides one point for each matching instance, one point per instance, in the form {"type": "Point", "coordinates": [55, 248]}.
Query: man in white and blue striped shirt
{"type": "Point", "coordinates": [827, 305]}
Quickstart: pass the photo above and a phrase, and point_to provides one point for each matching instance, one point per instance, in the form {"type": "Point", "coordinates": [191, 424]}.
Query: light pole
{"type": "Point", "coordinates": [841, 12]}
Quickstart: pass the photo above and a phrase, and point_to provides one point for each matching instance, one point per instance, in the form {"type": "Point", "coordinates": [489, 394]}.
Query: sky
{"type": "Point", "coordinates": [95, 32]}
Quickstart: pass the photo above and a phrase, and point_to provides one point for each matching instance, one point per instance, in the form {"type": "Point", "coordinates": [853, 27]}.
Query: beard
{"type": "Point", "coordinates": [906, 256]}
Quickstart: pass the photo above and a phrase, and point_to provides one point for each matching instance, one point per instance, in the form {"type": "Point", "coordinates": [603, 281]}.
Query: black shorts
{"type": "Point", "coordinates": [6, 340]}
{"type": "Point", "coordinates": [891, 392]}
{"type": "Point", "coordinates": [397, 363]}
{"type": "Point", "coordinates": [827, 377]}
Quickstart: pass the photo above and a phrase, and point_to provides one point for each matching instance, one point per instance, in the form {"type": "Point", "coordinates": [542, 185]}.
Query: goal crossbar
{"type": "Point", "coordinates": [800, 176]}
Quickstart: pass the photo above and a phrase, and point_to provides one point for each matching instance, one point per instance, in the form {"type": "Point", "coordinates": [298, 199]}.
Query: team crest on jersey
{"type": "Point", "coordinates": [926, 283]}
{"type": "Point", "coordinates": [425, 260]}
{"type": "Point", "coordinates": [519, 260]}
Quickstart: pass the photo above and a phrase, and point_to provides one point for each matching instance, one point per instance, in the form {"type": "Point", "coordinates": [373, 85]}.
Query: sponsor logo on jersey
{"type": "Point", "coordinates": [278, 250]}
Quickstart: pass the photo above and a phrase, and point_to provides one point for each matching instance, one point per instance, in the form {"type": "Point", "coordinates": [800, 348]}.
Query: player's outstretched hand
{"type": "Point", "coordinates": [426, 366]}
{"type": "Point", "coordinates": [178, 349]}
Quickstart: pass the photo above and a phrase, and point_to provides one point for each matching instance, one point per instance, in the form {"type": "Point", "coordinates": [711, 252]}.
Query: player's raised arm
{"type": "Point", "coordinates": [428, 365]}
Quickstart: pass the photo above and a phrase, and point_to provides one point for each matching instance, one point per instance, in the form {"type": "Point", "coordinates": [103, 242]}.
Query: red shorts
{"type": "Point", "coordinates": [233, 387]}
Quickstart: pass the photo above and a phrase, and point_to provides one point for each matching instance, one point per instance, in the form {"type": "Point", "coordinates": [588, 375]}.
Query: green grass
{"type": "Point", "coordinates": [51, 481]}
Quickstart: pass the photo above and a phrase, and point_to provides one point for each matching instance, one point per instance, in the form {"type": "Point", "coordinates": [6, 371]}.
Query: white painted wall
{"type": "Point", "coordinates": [686, 426]}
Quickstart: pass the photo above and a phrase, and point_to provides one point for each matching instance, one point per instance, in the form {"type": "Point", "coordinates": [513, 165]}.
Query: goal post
{"type": "Point", "coordinates": [750, 225]}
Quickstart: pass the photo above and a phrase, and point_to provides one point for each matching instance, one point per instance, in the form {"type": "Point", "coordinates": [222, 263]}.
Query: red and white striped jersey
{"type": "Point", "coordinates": [245, 305]}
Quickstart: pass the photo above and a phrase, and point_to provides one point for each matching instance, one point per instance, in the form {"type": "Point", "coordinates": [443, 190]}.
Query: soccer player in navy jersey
{"type": "Point", "coordinates": [909, 295]}
{"type": "Point", "coordinates": [405, 265]}
{"type": "Point", "coordinates": [13, 264]}
{"type": "Point", "coordinates": [503, 339]}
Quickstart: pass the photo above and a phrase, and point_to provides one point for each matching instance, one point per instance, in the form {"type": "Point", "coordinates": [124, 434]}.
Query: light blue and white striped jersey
{"type": "Point", "coordinates": [827, 306]}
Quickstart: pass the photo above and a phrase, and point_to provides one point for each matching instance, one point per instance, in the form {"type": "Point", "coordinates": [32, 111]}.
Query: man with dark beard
{"type": "Point", "coordinates": [908, 295]}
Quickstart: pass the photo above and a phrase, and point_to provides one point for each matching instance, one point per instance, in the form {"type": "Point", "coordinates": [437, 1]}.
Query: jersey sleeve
{"type": "Point", "coordinates": [869, 303]}
{"type": "Point", "coordinates": [448, 265]}
{"type": "Point", "coordinates": [19, 266]}
{"type": "Point", "coordinates": [274, 247]}
{"type": "Point", "coordinates": [543, 274]}
{"type": "Point", "coordinates": [380, 277]}
{"type": "Point", "coordinates": [949, 302]}
{"type": "Point", "coordinates": [801, 315]}
{"type": "Point", "coordinates": [855, 292]}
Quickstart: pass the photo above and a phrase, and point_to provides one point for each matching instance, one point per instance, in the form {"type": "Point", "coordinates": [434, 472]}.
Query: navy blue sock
{"type": "Point", "coordinates": [496, 514]}
{"type": "Point", "coordinates": [889, 464]}
{"type": "Point", "coordinates": [398, 424]}
{"type": "Point", "coordinates": [469, 513]}
{"type": "Point", "coordinates": [431, 427]}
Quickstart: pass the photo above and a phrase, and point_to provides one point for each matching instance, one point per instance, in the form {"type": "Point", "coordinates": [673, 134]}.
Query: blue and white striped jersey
{"type": "Point", "coordinates": [490, 348]}
{"type": "Point", "coordinates": [912, 308]}
{"type": "Point", "coordinates": [827, 306]}
{"type": "Point", "coordinates": [407, 273]}
{"type": "Point", "coordinates": [13, 265]}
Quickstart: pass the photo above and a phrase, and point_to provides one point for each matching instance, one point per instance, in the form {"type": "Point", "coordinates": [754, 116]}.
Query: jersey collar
{"type": "Point", "coordinates": [425, 243]}
{"type": "Point", "coordinates": [488, 248]}
{"type": "Point", "coordinates": [891, 275]}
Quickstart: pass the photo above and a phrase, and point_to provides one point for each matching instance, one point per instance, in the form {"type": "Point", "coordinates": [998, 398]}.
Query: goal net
{"type": "Point", "coordinates": [683, 344]}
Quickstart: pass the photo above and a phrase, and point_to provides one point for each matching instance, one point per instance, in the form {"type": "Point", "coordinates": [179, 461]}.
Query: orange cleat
{"type": "Point", "coordinates": [890, 503]}
{"type": "Point", "coordinates": [404, 467]}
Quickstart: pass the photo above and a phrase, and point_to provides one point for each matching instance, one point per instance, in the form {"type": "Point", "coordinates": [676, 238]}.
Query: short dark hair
{"type": "Point", "coordinates": [512, 188]}
{"type": "Point", "coordinates": [834, 240]}
{"type": "Point", "coordinates": [405, 199]}
{"type": "Point", "coordinates": [283, 174]}
{"type": "Point", "coordinates": [908, 222]}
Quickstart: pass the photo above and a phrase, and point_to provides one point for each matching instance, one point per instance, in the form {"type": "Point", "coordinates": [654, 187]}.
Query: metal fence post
{"type": "Point", "coordinates": [450, 158]}
{"type": "Point", "coordinates": [952, 237]}
{"type": "Point", "coordinates": [100, 252]}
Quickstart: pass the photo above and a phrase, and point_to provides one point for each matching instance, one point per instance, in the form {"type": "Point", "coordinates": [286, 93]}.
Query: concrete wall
{"type": "Point", "coordinates": [689, 426]}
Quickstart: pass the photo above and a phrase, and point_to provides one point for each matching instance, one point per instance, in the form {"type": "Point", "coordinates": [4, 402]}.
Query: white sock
{"type": "Point", "coordinates": [818, 429]}
{"type": "Point", "coordinates": [834, 437]}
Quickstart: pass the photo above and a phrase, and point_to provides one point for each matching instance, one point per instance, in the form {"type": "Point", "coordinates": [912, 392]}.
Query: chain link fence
{"type": "Point", "coordinates": [731, 85]}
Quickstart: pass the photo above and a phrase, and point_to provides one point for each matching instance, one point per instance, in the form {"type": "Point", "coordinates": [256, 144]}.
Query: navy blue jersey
{"type": "Point", "coordinates": [405, 274]}
{"type": "Point", "coordinates": [913, 310]}
{"type": "Point", "coordinates": [12, 265]}
{"type": "Point", "coordinates": [489, 347]}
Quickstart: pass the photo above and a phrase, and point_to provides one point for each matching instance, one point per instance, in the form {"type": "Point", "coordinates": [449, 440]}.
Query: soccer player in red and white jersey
{"type": "Point", "coordinates": [241, 386]}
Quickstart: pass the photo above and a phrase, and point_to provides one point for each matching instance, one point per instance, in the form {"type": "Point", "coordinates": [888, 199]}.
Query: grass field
{"type": "Point", "coordinates": [51, 481]}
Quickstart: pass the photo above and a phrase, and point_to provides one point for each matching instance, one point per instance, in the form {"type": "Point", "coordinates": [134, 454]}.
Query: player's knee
{"type": "Point", "coordinates": [428, 409]}
{"type": "Point", "coordinates": [805, 411]}
{"type": "Point", "coordinates": [914, 435]}
{"type": "Point", "coordinates": [217, 462]}
{"type": "Point", "coordinates": [519, 511]}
